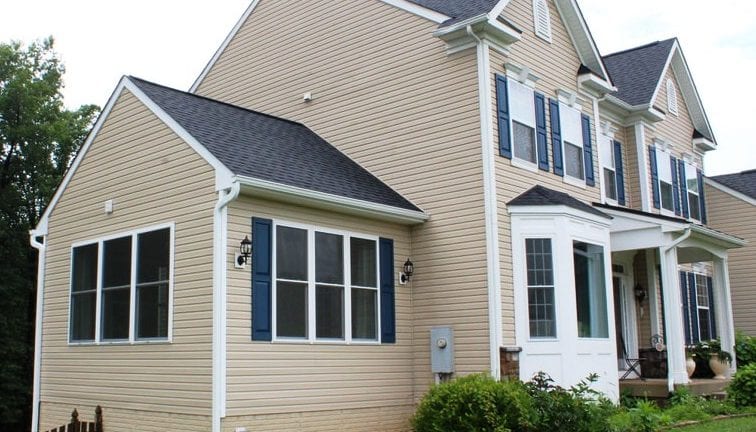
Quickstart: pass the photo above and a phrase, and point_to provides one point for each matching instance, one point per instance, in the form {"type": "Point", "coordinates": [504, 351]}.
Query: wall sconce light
{"type": "Point", "coordinates": [640, 293]}
{"type": "Point", "coordinates": [407, 272]}
{"type": "Point", "coordinates": [245, 251]}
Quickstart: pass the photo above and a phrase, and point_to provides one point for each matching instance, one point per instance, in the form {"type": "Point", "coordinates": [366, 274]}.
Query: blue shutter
{"type": "Point", "coordinates": [588, 151]}
{"type": "Point", "coordinates": [693, 307]}
{"type": "Point", "coordinates": [686, 307]}
{"type": "Point", "coordinates": [502, 114]}
{"type": "Point", "coordinates": [386, 256]}
{"type": "Point", "coordinates": [556, 137]}
{"type": "Point", "coordinates": [261, 279]}
{"type": "Point", "coordinates": [540, 115]}
{"type": "Point", "coordinates": [620, 171]}
{"type": "Point", "coordinates": [675, 184]}
{"type": "Point", "coordinates": [701, 197]}
{"type": "Point", "coordinates": [712, 315]}
{"type": "Point", "coordinates": [683, 188]}
{"type": "Point", "coordinates": [654, 177]}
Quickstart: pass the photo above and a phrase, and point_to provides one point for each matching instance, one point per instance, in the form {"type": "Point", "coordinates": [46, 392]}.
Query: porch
{"type": "Point", "coordinates": [657, 388]}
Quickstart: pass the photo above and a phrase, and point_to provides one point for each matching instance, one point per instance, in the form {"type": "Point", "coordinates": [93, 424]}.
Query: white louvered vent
{"type": "Point", "coordinates": [542, 19]}
{"type": "Point", "coordinates": [671, 97]}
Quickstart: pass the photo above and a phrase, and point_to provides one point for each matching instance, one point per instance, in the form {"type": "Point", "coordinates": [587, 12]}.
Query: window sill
{"type": "Point", "coordinates": [549, 340]}
{"type": "Point", "coordinates": [122, 343]}
{"type": "Point", "coordinates": [522, 163]}
{"type": "Point", "coordinates": [574, 181]}
{"type": "Point", "coordinates": [323, 342]}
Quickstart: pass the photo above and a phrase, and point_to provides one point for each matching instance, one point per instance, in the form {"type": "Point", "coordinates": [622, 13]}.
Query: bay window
{"type": "Point", "coordinates": [590, 290]}
{"type": "Point", "coordinates": [540, 282]}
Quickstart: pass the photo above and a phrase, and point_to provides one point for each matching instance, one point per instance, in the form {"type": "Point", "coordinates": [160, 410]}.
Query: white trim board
{"type": "Point", "coordinates": [719, 186]}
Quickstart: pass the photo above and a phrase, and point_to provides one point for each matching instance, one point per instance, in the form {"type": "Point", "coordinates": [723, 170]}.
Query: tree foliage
{"type": "Point", "coordinates": [39, 138]}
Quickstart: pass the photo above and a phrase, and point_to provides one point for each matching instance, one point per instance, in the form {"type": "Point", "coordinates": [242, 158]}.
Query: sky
{"type": "Point", "coordinates": [171, 41]}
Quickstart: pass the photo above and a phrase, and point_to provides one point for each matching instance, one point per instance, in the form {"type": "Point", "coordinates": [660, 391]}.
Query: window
{"type": "Point", "coordinates": [609, 170]}
{"type": "Point", "coordinates": [694, 199]}
{"type": "Point", "coordinates": [703, 308]}
{"type": "Point", "coordinates": [326, 285]}
{"type": "Point", "coordinates": [665, 180]}
{"type": "Point", "coordinates": [572, 138]}
{"type": "Point", "coordinates": [540, 280]}
{"type": "Point", "coordinates": [522, 114]}
{"type": "Point", "coordinates": [590, 290]}
{"type": "Point", "coordinates": [115, 270]}
{"type": "Point", "coordinates": [542, 20]}
{"type": "Point", "coordinates": [671, 97]}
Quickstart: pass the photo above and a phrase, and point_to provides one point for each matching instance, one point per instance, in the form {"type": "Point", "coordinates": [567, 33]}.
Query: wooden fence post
{"type": "Point", "coordinates": [98, 419]}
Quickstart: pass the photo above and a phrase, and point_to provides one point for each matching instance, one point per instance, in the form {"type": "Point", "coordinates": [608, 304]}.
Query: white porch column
{"type": "Point", "coordinates": [674, 333]}
{"type": "Point", "coordinates": [723, 306]}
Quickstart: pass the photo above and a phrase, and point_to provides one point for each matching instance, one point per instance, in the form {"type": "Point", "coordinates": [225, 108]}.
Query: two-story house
{"type": "Point", "coordinates": [353, 203]}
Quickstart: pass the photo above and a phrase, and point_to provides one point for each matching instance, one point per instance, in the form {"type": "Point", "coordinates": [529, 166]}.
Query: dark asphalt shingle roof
{"type": "Point", "coordinates": [542, 196]}
{"type": "Point", "coordinates": [458, 10]}
{"type": "Point", "coordinates": [636, 72]}
{"type": "Point", "coordinates": [743, 182]}
{"type": "Point", "coordinates": [269, 148]}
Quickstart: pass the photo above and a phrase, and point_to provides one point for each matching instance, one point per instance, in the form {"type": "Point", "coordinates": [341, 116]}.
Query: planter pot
{"type": "Point", "coordinates": [690, 366]}
{"type": "Point", "coordinates": [718, 367]}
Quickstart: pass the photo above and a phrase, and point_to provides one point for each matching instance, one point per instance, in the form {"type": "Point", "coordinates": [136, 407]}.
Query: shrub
{"type": "Point", "coordinates": [742, 389]}
{"type": "Point", "coordinates": [475, 403]}
{"type": "Point", "coordinates": [745, 349]}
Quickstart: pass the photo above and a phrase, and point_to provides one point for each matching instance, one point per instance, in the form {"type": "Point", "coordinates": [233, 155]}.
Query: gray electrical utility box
{"type": "Point", "coordinates": [442, 349]}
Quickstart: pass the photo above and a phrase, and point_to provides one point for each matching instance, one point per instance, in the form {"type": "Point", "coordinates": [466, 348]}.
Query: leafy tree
{"type": "Point", "coordinates": [39, 138]}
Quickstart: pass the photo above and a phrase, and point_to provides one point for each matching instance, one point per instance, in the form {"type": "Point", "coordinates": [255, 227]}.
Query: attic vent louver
{"type": "Point", "coordinates": [671, 97]}
{"type": "Point", "coordinates": [542, 19]}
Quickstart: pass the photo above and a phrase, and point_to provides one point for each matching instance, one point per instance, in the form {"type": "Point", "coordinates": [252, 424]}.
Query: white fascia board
{"type": "Point", "coordinates": [561, 210]}
{"type": "Point", "coordinates": [596, 83]}
{"type": "Point", "coordinates": [466, 34]}
{"type": "Point", "coordinates": [223, 46]}
{"type": "Point", "coordinates": [660, 79]}
{"type": "Point", "coordinates": [689, 91]}
{"type": "Point", "coordinates": [577, 27]}
{"type": "Point", "coordinates": [650, 220]}
{"type": "Point", "coordinates": [724, 240]}
{"type": "Point", "coordinates": [41, 228]}
{"type": "Point", "coordinates": [418, 10]}
{"type": "Point", "coordinates": [498, 9]}
{"type": "Point", "coordinates": [646, 111]}
{"type": "Point", "coordinates": [315, 199]}
{"type": "Point", "coordinates": [223, 176]}
{"type": "Point", "coordinates": [730, 191]}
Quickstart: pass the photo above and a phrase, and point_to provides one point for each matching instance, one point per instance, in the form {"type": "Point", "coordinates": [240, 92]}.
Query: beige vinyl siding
{"type": "Point", "coordinates": [387, 94]}
{"type": "Point", "coordinates": [385, 419]}
{"type": "Point", "coordinates": [737, 217]}
{"type": "Point", "coordinates": [266, 378]}
{"type": "Point", "coordinates": [632, 175]}
{"type": "Point", "coordinates": [153, 177]}
{"type": "Point", "coordinates": [117, 419]}
{"type": "Point", "coordinates": [556, 65]}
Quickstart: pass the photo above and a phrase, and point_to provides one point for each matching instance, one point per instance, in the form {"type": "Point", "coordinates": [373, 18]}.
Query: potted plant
{"type": "Point", "coordinates": [719, 360]}
{"type": "Point", "coordinates": [690, 359]}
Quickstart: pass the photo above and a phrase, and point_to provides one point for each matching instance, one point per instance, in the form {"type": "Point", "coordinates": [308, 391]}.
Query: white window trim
{"type": "Point", "coordinates": [524, 238]}
{"type": "Point", "coordinates": [311, 326]}
{"type": "Point", "coordinates": [693, 167]}
{"type": "Point", "coordinates": [608, 135]}
{"type": "Point", "coordinates": [517, 161]}
{"type": "Point", "coordinates": [661, 148]}
{"type": "Point", "coordinates": [575, 181]}
{"type": "Point", "coordinates": [698, 306]}
{"type": "Point", "coordinates": [606, 252]}
{"type": "Point", "coordinates": [132, 340]}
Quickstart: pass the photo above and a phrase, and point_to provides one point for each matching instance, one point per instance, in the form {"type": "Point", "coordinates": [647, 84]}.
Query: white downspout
{"type": "Point", "coordinates": [490, 204]}
{"type": "Point", "coordinates": [670, 302]}
{"type": "Point", "coordinates": [41, 261]}
{"type": "Point", "coordinates": [220, 233]}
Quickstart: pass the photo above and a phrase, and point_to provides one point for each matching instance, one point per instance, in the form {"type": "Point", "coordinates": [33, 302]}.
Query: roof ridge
{"type": "Point", "coordinates": [218, 101]}
{"type": "Point", "coordinates": [648, 45]}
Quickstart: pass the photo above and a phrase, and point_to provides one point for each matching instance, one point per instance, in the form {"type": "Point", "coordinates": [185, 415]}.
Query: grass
{"type": "Point", "coordinates": [739, 424]}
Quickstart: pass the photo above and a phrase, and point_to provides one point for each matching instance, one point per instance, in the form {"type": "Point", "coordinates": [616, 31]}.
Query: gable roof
{"type": "Point", "coordinates": [458, 10]}
{"type": "Point", "coordinates": [636, 72]}
{"type": "Point", "coordinates": [541, 196]}
{"type": "Point", "coordinates": [260, 146]}
{"type": "Point", "coordinates": [743, 182]}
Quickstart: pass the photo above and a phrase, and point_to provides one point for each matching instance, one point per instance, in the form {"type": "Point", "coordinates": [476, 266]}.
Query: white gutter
{"type": "Point", "coordinates": [41, 261]}
{"type": "Point", "coordinates": [220, 233]}
{"type": "Point", "coordinates": [490, 204]}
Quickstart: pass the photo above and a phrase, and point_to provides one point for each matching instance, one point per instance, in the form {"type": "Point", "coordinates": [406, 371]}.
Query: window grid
{"type": "Point", "coordinates": [540, 280]}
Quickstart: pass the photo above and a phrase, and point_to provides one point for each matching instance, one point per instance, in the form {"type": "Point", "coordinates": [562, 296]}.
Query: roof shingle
{"type": "Point", "coordinates": [743, 182]}
{"type": "Point", "coordinates": [542, 196]}
{"type": "Point", "coordinates": [269, 148]}
{"type": "Point", "coordinates": [636, 72]}
{"type": "Point", "coordinates": [458, 10]}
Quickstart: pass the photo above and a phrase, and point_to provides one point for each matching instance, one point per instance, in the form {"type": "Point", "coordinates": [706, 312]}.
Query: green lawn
{"type": "Point", "coordinates": [741, 424]}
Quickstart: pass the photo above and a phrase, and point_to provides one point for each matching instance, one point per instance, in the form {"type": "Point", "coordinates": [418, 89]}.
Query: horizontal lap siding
{"type": "Point", "coordinates": [276, 378]}
{"type": "Point", "coordinates": [385, 93]}
{"type": "Point", "coordinates": [384, 419]}
{"type": "Point", "coordinates": [737, 217]}
{"type": "Point", "coordinates": [153, 177]}
{"type": "Point", "coordinates": [117, 419]}
{"type": "Point", "coordinates": [632, 175]}
{"type": "Point", "coordinates": [556, 65]}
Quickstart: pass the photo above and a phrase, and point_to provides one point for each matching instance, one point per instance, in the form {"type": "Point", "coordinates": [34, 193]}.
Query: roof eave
{"type": "Point", "coordinates": [326, 201]}
{"type": "Point", "coordinates": [465, 34]}
{"type": "Point", "coordinates": [645, 112]}
{"type": "Point", "coordinates": [595, 84]}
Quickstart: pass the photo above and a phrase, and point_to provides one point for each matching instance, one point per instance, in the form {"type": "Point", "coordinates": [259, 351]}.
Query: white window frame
{"type": "Point", "coordinates": [664, 174]}
{"type": "Point", "coordinates": [542, 29]}
{"type": "Point", "coordinates": [311, 312]}
{"type": "Point", "coordinates": [552, 286]}
{"type": "Point", "coordinates": [606, 144]}
{"type": "Point", "coordinates": [571, 124]}
{"type": "Point", "coordinates": [527, 117]}
{"type": "Point", "coordinates": [672, 104]}
{"type": "Point", "coordinates": [707, 308]}
{"type": "Point", "coordinates": [692, 170]}
{"type": "Point", "coordinates": [132, 340]}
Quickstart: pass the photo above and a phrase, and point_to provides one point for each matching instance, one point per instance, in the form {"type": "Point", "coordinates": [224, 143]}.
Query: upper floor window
{"type": "Point", "coordinates": [130, 277]}
{"type": "Point", "coordinates": [667, 196]}
{"type": "Point", "coordinates": [572, 139]}
{"type": "Point", "coordinates": [523, 118]}
{"type": "Point", "coordinates": [326, 285]}
{"type": "Point", "coordinates": [609, 168]}
{"type": "Point", "coordinates": [694, 195]}
{"type": "Point", "coordinates": [671, 96]}
{"type": "Point", "coordinates": [542, 19]}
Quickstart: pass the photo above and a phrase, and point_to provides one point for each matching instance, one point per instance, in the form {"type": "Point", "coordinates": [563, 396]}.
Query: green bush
{"type": "Point", "coordinates": [745, 349]}
{"type": "Point", "coordinates": [742, 389]}
{"type": "Point", "coordinates": [475, 403]}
